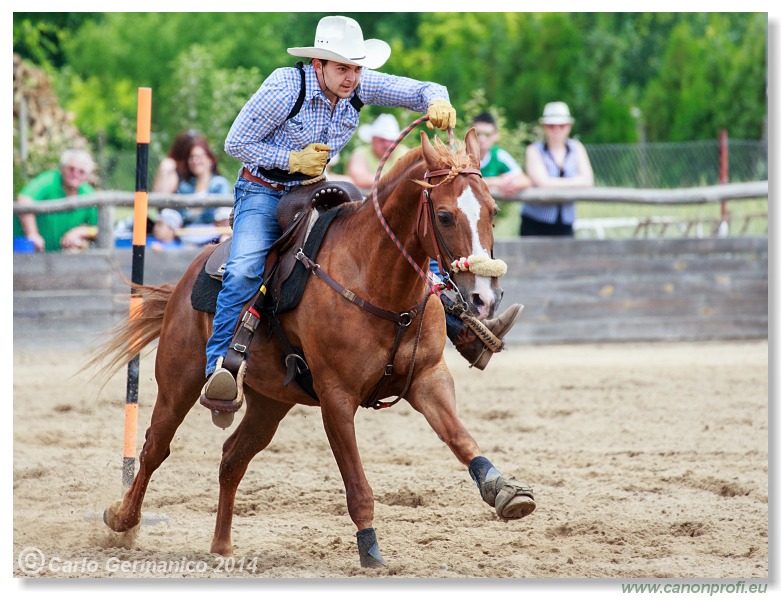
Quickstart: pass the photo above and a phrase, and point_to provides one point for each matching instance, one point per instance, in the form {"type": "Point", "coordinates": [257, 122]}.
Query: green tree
{"type": "Point", "coordinates": [712, 76]}
{"type": "Point", "coordinates": [691, 74]}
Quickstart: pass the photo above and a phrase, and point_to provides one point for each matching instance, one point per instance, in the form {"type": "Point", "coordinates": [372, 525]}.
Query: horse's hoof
{"type": "Point", "coordinates": [222, 419]}
{"type": "Point", "coordinates": [224, 551]}
{"type": "Point", "coordinates": [514, 500]}
{"type": "Point", "coordinates": [113, 522]}
{"type": "Point", "coordinates": [516, 507]}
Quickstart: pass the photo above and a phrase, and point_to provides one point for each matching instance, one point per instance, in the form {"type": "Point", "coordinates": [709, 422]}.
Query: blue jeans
{"type": "Point", "coordinates": [255, 229]}
{"type": "Point", "coordinates": [453, 323]}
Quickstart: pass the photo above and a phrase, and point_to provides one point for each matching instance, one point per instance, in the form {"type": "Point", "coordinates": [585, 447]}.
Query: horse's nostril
{"type": "Point", "coordinates": [477, 301]}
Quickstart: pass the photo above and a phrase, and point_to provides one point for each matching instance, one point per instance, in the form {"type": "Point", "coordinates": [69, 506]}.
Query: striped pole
{"type": "Point", "coordinates": [143, 134]}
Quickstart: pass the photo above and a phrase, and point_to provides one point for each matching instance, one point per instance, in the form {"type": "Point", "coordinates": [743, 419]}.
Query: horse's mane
{"type": "Point", "coordinates": [453, 158]}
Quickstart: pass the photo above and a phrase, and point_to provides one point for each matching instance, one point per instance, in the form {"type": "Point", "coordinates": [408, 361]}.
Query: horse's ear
{"type": "Point", "coordinates": [473, 147]}
{"type": "Point", "coordinates": [428, 150]}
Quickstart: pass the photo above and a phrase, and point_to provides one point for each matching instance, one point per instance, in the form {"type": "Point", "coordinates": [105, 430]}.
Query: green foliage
{"type": "Point", "coordinates": [711, 77]}
{"type": "Point", "coordinates": [685, 76]}
{"type": "Point", "coordinates": [104, 109]}
{"type": "Point", "coordinates": [208, 99]}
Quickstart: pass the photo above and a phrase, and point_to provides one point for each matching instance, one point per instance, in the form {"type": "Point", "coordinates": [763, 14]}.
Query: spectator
{"type": "Point", "coordinates": [66, 230]}
{"type": "Point", "coordinates": [165, 231]}
{"type": "Point", "coordinates": [173, 167]}
{"type": "Point", "coordinates": [499, 169]}
{"type": "Point", "coordinates": [214, 233]}
{"type": "Point", "coordinates": [558, 162]}
{"type": "Point", "coordinates": [191, 167]}
{"type": "Point", "coordinates": [377, 138]}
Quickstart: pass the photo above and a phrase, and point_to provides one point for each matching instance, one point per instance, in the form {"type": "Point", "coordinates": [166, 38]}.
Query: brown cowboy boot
{"type": "Point", "coordinates": [220, 395]}
{"type": "Point", "coordinates": [221, 384]}
{"type": "Point", "coordinates": [473, 349]}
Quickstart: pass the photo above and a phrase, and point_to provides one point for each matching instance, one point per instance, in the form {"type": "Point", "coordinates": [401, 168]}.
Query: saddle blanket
{"type": "Point", "coordinates": [206, 287]}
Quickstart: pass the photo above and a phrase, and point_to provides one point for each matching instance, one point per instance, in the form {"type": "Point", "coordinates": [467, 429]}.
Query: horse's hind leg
{"type": "Point", "coordinates": [437, 403]}
{"type": "Point", "coordinates": [175, 397]}
{"type": "Point", "coordinates": [253, 434]}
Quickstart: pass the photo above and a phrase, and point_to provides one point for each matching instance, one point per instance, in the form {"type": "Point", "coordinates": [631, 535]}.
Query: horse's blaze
{"type": "Point", "coordinates": [470, 206]}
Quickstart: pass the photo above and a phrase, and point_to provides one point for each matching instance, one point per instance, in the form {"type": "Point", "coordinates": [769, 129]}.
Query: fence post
{"type": "Point", "coordinates": [106, 213]}
{"type": "Point", "coordinates": [724, 178]}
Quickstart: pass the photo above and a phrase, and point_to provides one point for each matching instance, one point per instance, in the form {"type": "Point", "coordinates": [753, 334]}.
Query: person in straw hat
{"type": "Point", "coordinates": [377, 137]}
{"type": "Point", "coordinates": [556, 162]}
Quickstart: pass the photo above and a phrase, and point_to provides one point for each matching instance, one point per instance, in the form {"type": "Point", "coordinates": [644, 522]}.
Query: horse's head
{"type": "Point", "coordinates": [456, 221]}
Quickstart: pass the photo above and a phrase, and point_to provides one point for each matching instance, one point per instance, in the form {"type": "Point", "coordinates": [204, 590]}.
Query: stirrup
{"type": "Point", "coordinates": [224, 408]}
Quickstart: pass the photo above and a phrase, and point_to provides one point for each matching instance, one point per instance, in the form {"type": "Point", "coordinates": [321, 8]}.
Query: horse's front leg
{"type": "Point", "coordinates": [339, 422]}
{"type": "Point", "coordinates": [434, 397]}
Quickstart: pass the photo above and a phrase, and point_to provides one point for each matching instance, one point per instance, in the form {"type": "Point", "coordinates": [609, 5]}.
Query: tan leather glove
{"type": "Point", "coordinates": [309, 161]}
{"type": "Point", "coordinates": [441, 114]}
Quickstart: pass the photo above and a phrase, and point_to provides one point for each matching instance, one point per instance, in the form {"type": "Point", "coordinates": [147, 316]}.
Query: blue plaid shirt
{"type": "Point", "coordinates": [260, 136]}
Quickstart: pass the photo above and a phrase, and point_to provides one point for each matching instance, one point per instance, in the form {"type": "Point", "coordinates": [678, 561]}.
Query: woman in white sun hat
{"type": "Point", "coordinates": [285, 134]}
{"type": "Point", "coordinates": [556, 162]}
{"type": "Point", "coordinates": [377, 137]}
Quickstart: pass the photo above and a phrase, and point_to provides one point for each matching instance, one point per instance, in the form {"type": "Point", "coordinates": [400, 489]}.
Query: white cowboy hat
{"type": "Point", "coordinates": [385, 126]}
{"type": "Point", "coordinates": [341, 39]}
{"type": "Point", "coordinates": [556, 113]}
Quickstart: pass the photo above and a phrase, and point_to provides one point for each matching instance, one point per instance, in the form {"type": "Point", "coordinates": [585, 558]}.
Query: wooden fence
{"type": "Point", "coordinates": [573, 290]}
{"type": "Point", "coordinates": [109, 200]}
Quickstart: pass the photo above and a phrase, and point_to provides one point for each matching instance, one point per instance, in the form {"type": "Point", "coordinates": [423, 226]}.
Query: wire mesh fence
{"type": "Point", "coordinates": [678, 164]}
{"type": "Point", "coordinates": [654, 166]}
{"type": "Point", "coordinates": [650, 166]}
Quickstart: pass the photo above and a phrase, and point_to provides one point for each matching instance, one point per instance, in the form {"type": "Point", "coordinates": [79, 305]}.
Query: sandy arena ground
{"type": "Point", "coordinates": [647, 461]}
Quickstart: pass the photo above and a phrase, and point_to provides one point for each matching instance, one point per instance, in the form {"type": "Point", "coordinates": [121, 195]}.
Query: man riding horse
{"type": "Point", "coordinates": [285, 141]}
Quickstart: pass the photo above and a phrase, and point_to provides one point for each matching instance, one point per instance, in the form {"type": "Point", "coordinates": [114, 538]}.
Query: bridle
{"type": "Point", "coordinates": [426, 215]}
{"type": "Point", "coordinates": [425, 210]}
{"type": "Point", "coordinates": [479, 265]}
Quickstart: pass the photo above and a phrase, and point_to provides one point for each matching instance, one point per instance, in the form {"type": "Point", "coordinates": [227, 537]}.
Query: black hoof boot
{"type": "Point", "coordinates": [369, 550]}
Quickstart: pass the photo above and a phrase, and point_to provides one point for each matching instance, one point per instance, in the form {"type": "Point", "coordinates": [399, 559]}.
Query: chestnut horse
{"type": "Point", "coordinates": [346, 348]}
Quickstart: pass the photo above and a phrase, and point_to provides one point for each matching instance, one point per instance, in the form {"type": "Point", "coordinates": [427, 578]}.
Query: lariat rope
{"type": "Point", "coordinates": [491, 267]}
{"type": "Point", "coordinates": [375, 199]}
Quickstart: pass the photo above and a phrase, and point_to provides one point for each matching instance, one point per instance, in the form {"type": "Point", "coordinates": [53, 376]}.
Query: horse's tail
{"type": "Point", "coordinates": [139, 329]}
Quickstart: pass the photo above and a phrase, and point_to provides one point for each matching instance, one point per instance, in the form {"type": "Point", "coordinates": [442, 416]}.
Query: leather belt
{"type": "Point", "coordinates": [245, 173]}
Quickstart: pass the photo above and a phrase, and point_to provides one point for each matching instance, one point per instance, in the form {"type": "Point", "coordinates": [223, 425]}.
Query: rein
{"type": "Point", "coordinates": [404, 319]}
{"type": "Point", "coordinates": [425, 201]}
{"type": "Point", "coordinates": [378, 210]}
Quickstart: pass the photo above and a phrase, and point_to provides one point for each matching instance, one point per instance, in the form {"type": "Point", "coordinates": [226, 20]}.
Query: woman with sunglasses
{"type": "Point", "coordinates": [559, 162]}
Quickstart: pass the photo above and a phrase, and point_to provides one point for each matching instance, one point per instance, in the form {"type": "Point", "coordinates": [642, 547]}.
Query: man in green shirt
{"type": "Point", "coordinates": [500, 170]}
{"type": "Point", "coordinates": [67, 230]}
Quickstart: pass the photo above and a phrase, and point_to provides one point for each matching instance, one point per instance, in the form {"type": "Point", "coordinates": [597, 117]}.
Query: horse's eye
{"type": "Point", "coordinates": [446, 218]}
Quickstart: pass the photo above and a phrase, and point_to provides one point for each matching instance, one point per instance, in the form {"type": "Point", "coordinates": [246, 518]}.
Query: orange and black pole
{"type": "Point", "coordinates": [143, 135]}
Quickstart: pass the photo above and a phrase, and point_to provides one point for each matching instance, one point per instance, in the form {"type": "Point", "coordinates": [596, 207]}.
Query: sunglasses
{"type": "Point", "coordinates": [555, 125]}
